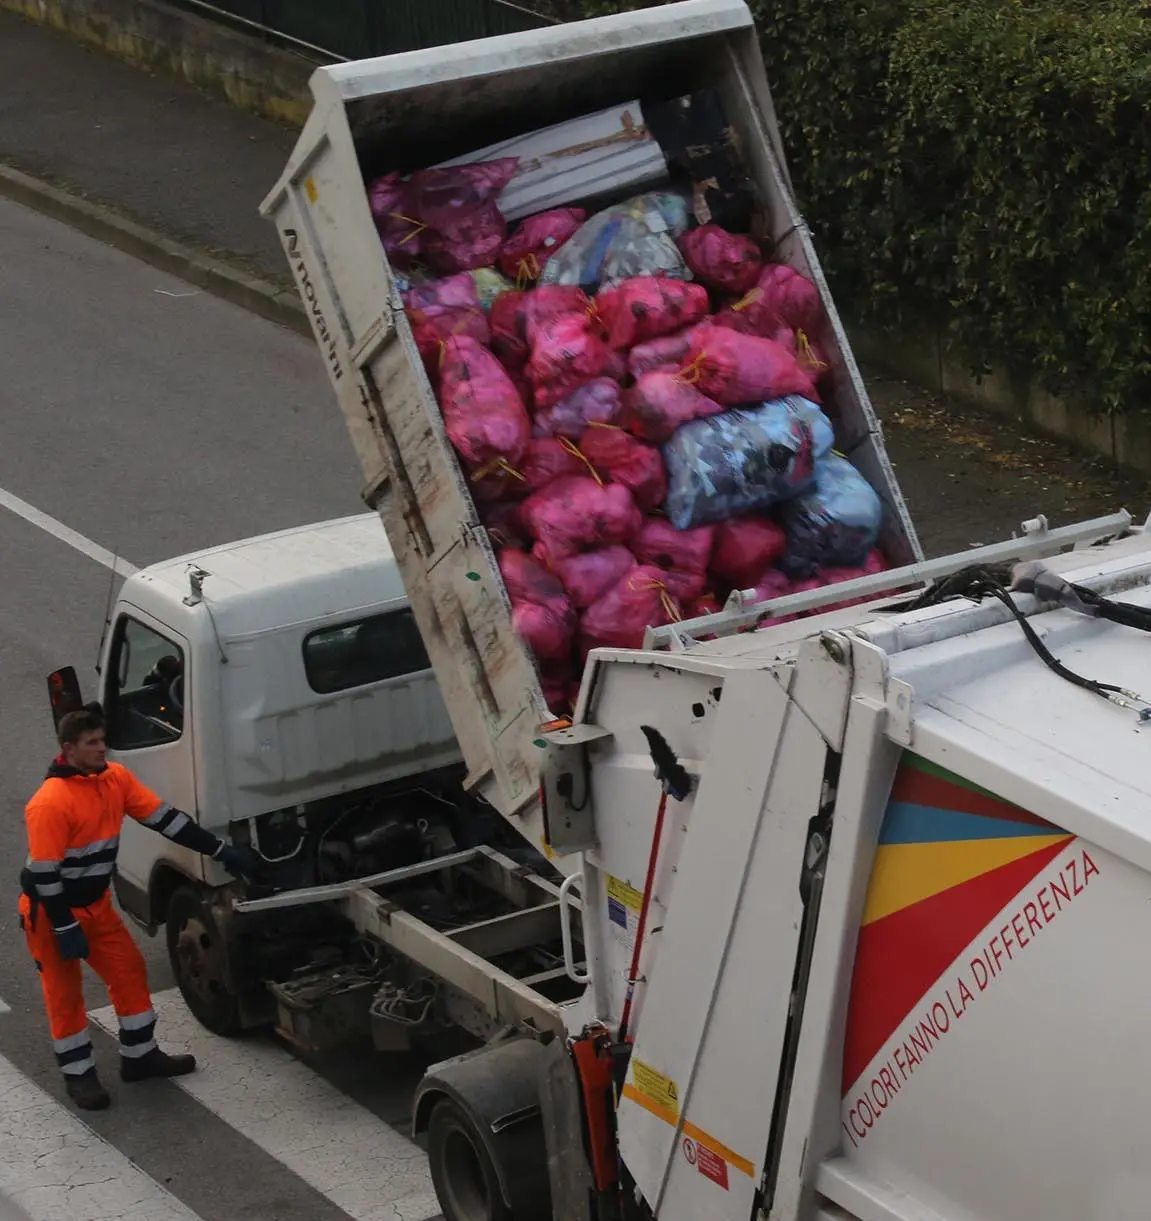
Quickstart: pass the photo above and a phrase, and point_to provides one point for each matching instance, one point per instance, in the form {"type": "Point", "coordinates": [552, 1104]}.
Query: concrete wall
{"type": "Point", "coordinates": [927, 360]}
{"type": "Point", "coordinates": [240, 68]}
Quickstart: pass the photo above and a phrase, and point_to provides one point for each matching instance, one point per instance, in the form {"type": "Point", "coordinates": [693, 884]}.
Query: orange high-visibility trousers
{"type": "Point", "coordinates": [116, 958]}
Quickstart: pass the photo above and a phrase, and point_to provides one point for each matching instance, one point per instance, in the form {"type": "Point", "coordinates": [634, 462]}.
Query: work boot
{"type": "Point", "coordinates": [156, 1063]}
{"type": "Point", "coordinates": [86, 1091]}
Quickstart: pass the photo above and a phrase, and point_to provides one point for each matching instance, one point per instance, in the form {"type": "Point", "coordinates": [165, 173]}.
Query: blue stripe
{"type": "Point", "coordinates": [906, 823]}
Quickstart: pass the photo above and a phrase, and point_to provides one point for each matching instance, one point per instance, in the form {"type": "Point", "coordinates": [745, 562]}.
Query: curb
{"type": "Point", "coordinates": [270, 301]}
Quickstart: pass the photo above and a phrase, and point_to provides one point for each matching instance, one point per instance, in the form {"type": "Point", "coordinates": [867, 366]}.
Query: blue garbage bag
{"type": "Point", "coordinates": [634, 238]}
{"type": "Point", "coordinates": [822, 432]}
{"type": "Point", "coordinates": [741, 461]}
{"type": "Point", "coordinates": [834, 523]}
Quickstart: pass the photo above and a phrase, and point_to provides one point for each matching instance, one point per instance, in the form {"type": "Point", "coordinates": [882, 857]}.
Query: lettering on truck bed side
{"type": "Point", "coordinates": [951, 858]}
{"type": "Point", "coordinates": [324, 336]}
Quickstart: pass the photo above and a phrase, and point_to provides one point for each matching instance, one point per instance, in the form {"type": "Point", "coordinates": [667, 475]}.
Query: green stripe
{"type": "Point", "coordinates": [919, 764]}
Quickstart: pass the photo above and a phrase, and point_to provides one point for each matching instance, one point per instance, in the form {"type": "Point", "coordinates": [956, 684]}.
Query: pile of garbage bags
{"type": "Point", "coordinates": [636, 399]}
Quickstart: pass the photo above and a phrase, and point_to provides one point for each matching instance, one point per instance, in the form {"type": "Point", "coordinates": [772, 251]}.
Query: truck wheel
{"type": "Point", "coordinates": [461, 1166]}
{"type": "Point", "coordinates": [197, 954]}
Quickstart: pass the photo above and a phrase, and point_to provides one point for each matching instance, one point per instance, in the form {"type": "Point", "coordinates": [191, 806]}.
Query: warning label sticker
{"type": "Point", "coordinates": [706, 1161]}
{"type": "Point", "coordinates": [655, 1087]}
{"type": "Point", "coordinates": [623, 906]}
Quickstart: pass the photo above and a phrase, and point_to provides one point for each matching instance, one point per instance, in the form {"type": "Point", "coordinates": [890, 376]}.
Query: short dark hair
{"type": "Point", "coordinates": [74, 725]}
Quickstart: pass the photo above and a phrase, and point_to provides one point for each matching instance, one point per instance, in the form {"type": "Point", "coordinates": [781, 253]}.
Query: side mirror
{"type": "Point", "coordinates": [64, 693]}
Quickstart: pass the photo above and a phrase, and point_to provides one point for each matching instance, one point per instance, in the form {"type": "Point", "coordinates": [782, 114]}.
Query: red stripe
{"type": "Point", "coordinates": [921, 788]}
{"type": "Point", "coordinates": [899, 957]}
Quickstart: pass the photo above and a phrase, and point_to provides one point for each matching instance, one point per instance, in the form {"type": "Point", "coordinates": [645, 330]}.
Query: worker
{"type": "Point", "coordinates": [66, 910]}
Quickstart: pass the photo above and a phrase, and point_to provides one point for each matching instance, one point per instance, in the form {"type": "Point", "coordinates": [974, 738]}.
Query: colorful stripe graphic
{"type": "Point", "coordinates": [951, 856]}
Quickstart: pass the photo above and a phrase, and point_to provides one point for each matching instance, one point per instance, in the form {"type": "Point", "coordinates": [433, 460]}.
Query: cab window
{"type": "Point", "coordinates": [365, 651]}
{"type": "Point", "coordinates": [144, 688]}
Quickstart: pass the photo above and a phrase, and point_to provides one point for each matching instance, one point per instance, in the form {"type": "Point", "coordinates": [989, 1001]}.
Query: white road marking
{"type": "Point", "coordinates": [335, 1145]}
{"type": "Point", "coordinates": [56, 1168]}
{"type": "Point", "coordinates": [65, 534]}
{"type": "Point", "coordinates": [4, 1008]}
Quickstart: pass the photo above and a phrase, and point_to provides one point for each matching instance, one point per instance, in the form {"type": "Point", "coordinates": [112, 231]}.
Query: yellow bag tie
{"type": "Point", "coordinates": [496, 464]}
{"type": "Point", "coordinates": [573, 449]}
{"type": "Point", "coordinates": [666, 601]}
{"type": "Point", "coordinates": [418, 227]}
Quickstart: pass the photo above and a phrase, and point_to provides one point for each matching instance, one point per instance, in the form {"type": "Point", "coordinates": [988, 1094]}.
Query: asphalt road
{"type": "Point", "coordinates": [153, 419]}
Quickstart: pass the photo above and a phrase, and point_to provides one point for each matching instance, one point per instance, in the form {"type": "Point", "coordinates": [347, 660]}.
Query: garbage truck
{"type": "Point", "coordinates": [750, 927]}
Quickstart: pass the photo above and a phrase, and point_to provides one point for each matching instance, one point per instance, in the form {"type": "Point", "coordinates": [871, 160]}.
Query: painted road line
{"type": "Point", "coordinates": [56, 1168]}
{"type": "Point", "coordinates": [290, 1112]}
{"type": "Point", "coordinates": [65, 534]}
{"type": "Point", "coordinates": [3, 1007]}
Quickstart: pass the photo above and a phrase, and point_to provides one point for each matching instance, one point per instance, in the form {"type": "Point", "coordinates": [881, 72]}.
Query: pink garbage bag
{"type": "Point", "coordinates": [661, 401]}
{"type": "Point", "coordinates": [483, 414]}
{"type": "Point", "coordinates": [599, 401]}
{"type": "Point", "coordinates": [576, 512]}
{"type": "Point", "coordinates": [464, 227]}
{"type": "Point", "coordinates": [400, 232]}
{"type": "Point", "coordinates": [516, 316]}
{"type": "Point", "coordinates": [661, 544]}
{"type": "Point", "coordinates": [565, 354]}
{"type": "Point", "coordinates": [727, 262]}
{"type": "Point", "coordinates": [542, 613]}
{"type": "Point", "coordinates": [621, 458]}
{"type": "Point", "coordinates": [527, 250]}
{"type": "Point", "coordinates": [618, 618]}
{"type": "Point", "coordinates": [781, 298]}
{"type": "Point", "coordinates": [667, 353]}
{"type": "Point", "coordinates": [646, 307]}
{"type": "Point", "coordinates": [589, 575]}
{"type": "Point", "coordinates": [731, 367]}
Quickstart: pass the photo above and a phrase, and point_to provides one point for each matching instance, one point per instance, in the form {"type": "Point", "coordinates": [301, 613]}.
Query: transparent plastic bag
{"type": "Point", "coordinates": [834, 523]}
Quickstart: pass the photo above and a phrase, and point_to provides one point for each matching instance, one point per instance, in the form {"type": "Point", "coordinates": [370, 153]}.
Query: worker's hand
{"type": "Point", "coordinates": [72, 942]}
{"type": "Point", "coordinates": [241, 863]}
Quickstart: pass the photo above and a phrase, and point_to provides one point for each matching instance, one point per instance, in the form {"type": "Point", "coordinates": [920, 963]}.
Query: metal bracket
{"type": "Point", "coordinates": [900, 698]}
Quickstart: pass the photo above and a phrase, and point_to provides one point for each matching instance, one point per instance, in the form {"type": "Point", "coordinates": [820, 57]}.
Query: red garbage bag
{"type": "Point", "coordinates": [705, 604]}
{"type": "Point", "coordinates": [661, 401]}
{"type": "Point", "coordinates": [484, 416]}
{"type": "Point", "coordinates": [622, 458]}
{"type": "Point", "coordinates": [516, 316]}
{"type": "Point", "coordinates": [745, 547]}
{"type": "Point", "coordinates": [463, 225]}
{"type": "Point", "coordinates": [544, 459]}
{"type": "Point", "coordinates": [731, 367]}
{"type": "Point", "coordinates": [560, 685]}
{"type": "Point", "coordinates": [599, 401]}
{"type": "Point", "coordinates": [781, 299]}
{"type": "Point", "coordinates": [727, 262]}
{"type": "Point", "coordinates": [618, 618]}
{"type": "Point", "coordinates": [399, 231]}
{"type": "Point", "coordinates": [660, 543]}
{"type": "Point", "coordinates": [527, 580]}
{"type": "Point", "coordinates": [432, 326]}
{"type": "Point", "coordinates": [809, 356]}
{"type": "Point", "coordinates": [591, 574]}
{"type": "Point", "coordinates": [577, 512]}
{"type": "Point", "coordinates": [565, 354]}
{"type": "Point", "coordinates": [669, 353]}
{"type": "Point", "coordinates": [547, 630]}
{"type": "Point", "coordinates": [645, 307]}
{"type": "Point", "coordinates": [536, 240]}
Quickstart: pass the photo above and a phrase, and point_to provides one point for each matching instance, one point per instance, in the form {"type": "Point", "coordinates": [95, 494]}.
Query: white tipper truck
{"type": "Point", "coordinates": [814, 922]}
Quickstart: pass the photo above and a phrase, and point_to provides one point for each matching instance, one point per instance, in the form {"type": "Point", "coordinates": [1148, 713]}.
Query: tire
{"type": "Point", "coordinates": [462, 1170]}
{"type": "Point", "coordinates": [197, 953]}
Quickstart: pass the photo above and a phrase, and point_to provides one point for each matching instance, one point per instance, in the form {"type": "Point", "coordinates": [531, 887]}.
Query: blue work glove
{"type": "Point", "coordinates": [240, 862]}
{"type": "Point", "coordinates": [72, 942]}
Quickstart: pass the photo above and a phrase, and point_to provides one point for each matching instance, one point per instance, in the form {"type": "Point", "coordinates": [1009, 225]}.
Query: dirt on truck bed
{"type": "Point", "coordinates": [971, 479]}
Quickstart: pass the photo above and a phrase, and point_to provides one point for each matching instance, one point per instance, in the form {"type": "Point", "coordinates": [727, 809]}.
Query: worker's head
{"type": "Point", "coordinates": [81, 737]}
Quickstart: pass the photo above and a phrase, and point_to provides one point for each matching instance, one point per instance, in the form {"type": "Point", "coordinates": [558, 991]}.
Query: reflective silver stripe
{"type": "Point", "coordinates": [137, 1050]}
{"type": "Point", "coordinates": [72, 1041]}
{"type": "Point", "coordinates": [135, 1021]}
{"type": "Point", "coordinates": [97, 845]}
{"type": "Point", "coordinates": [78, 1066]}
{"type": "Point", "coordinates": [49, 890]}
{"type": "Point", "coordinates": [176, 825]}
{"type": "Point", "coordinates": [157, 814]}
{"type": "Point", "coordinates": [86, 871]}
{"type": "Point", "coordinates": [64, 928]}
{"type": "Point", "coordinates": [44, 866]}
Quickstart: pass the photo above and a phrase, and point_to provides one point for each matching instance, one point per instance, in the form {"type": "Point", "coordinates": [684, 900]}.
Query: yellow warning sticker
{"type": "Point", "coordinates": [623, 894]}
{"type": "Point", "coordinates": [655, 1087]}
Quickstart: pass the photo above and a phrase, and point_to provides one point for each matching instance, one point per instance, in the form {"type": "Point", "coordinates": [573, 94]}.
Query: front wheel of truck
{"type": "Point", "coordinates": [198, 956]}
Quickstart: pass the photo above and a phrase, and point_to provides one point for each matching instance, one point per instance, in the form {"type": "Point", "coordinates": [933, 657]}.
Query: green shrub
{"type": "Point", "coordinates": [979, 164]}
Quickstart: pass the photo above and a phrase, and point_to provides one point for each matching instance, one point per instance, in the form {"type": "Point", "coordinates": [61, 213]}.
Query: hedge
{"type": "Point", "coordinates": [984, 165]}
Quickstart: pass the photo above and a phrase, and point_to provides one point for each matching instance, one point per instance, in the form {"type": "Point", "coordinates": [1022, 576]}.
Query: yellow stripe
{"type": "Point", "coordinates": [904, 874]}
{"type": "Point", "coordinates": [689, 1129]}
